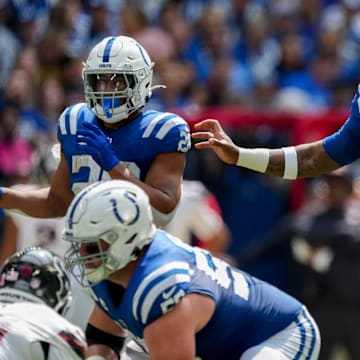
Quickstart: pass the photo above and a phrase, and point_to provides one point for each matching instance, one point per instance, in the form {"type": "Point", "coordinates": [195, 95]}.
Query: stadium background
{"type": "Point", "coordinates": [274, 72]}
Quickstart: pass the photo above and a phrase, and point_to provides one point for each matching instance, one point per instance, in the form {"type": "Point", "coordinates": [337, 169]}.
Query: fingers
{"type": "Point", "coordinates": [202, 145]}
{"type": "Point", "coordinates": [86, 149]}
{"type": "Point", "coordinates": [202, 135]}
{"type": "Point", "coordinates": [87, 141]}
{"type": "Point", "coordinates": [212, 142]}
{"type": "Point", "coordinates": [209, 124]}
{"type": "Point", "coordinates": [91, 126]}
{"type": "Point", "coordinates": [85, 133]}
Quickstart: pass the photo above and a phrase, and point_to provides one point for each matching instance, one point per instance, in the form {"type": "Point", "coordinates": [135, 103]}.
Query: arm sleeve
{"type": "Point", "coordinates": [344, 145]}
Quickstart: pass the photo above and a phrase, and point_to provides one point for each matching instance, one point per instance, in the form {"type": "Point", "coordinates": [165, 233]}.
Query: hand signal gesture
{"type": "Point", "coordinates": [213, 137]}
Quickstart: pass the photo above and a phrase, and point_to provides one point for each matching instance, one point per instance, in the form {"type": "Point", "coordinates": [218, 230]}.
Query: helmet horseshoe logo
{"type": "Point", "coordinates": [133, 219]}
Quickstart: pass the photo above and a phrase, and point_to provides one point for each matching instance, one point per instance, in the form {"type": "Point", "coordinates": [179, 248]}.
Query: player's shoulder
{"type": "Point", "coordinates": [159, 124]}
{"type": "Point", "coordinates": [162, 282]}
{"type": "Point", "coordinates": [165, 129]}
{"type": "Point", "coordinates": [156, 116]}
{"type": "Point", "coordinates": [55, 323]}
{"type": "Point", "coordinates": [72, 117]}
{"type": "Point", "coordinates": [30, 314]}
{"type": "Point", "coordinates": [34, 310]}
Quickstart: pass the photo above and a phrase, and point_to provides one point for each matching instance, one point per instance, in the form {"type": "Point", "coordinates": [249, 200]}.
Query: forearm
{"type": "Point", "coordinates": [35, 203]}
{"type": "Point", "coordinates": [312, 161]}
{"type": "Point", "coordinates": [306, 160]}
{"type": "Point", "coordinates": [105, 338]}
{"type": "Point", "coordinates": [162, 182]}
{"type": "Point", "coordinates": [160, 199]}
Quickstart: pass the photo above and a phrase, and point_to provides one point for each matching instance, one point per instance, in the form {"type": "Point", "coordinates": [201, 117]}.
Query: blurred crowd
{"type": "Point", "coordinates": [256, 53]}
{"type": "Point", "coordinates": [293, 55]}
{"type": "Point", "coordinates": [259, 54]}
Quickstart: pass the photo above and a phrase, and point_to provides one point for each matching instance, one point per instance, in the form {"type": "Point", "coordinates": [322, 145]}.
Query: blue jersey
{"type": "Point", "coordinates": [343, 146]}
{"type": "Point", "coordinates": [248, 310]}
{"type": "Point", "coordinates": [136, 144]}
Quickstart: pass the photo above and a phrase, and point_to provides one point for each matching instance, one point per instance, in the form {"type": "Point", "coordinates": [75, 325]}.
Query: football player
{"type": "Point", "coordinates": [111, 136]}
{"type": "Point", "coordinates": [179, 301]}
{"type": "Point", "coordinates": [34, 294]}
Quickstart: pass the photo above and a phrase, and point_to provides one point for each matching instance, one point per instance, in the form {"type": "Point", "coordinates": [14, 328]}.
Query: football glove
{"type": "Point", "coordinates": [92, 141]}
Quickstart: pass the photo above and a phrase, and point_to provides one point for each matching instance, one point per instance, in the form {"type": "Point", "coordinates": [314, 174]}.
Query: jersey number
{"type": "Point", "coordinates": [220, 272]}
{"type": "Point", "coordinates": [95, 173]}
{"type": "Point", "coordinates": [185, 143]}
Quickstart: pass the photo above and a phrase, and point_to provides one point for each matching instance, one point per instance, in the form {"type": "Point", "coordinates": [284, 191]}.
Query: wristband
{"type": "Point", "coordinates": [97, 336]}
{"type": "Point", "coordinates": [254, 159]}
{"type": "Point", "coordinates": [95, 357]}
{"type": "Point", "coordinates": [291, 163]}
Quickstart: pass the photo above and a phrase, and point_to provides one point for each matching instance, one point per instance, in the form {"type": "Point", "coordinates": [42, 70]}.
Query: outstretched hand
{"type": "Point", "coordinates": [214, 137]}
{"type": "Point", "coordinates": [92, 141]}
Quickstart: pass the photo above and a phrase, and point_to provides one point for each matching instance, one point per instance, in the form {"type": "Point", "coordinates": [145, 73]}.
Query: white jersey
{"type": "Point", "coordinates": [194, 215]}
{"type": "Point", "coordinates": [46, 233]}
{"type": "Point", "coordinates": [27, 330]}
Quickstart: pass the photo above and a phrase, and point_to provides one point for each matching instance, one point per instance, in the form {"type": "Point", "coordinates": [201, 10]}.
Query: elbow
{"type": "Point", "coordinates": [161, 219]}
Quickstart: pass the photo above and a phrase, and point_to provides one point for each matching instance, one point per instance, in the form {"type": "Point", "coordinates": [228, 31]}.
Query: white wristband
{"type": "Point", "coordinates": [95, 357]}
{"type": "Point", "coordinates": [254, 159]}
{"type": "Point", "coordinates": [291, 163]}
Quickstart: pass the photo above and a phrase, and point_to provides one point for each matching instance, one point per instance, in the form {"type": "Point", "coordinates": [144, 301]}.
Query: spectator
{"type": "Point", "coordinates": [329, 248]}
{"type": "Point", "coordinates": [134, 23]}
{"type": "Point", "coordinates": [25, 231]}
{"type": "Point", "coordinates": [13, 146]}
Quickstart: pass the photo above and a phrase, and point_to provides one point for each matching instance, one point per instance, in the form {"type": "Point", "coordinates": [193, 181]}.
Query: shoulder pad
{"type": "Point", "coordinates": [71, 117]}
{"type": "Point", "coordinates": [162, 123]}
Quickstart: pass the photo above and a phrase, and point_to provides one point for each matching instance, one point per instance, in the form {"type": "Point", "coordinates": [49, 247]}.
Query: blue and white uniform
{"type": "Point", "coordinates": [136, 144]}
{"type": "Point", "coordinates": [248, 311]}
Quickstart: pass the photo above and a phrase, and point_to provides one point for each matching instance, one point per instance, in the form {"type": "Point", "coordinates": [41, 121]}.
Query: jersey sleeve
{"type": "Point", "coordinates": [70, 120]}
{"type": "Point", "coordinates": [343, 146]}
{"type": "Point", "coordinates": [160, 291]}
{"type": "Point", "coordinates": [168, 132]}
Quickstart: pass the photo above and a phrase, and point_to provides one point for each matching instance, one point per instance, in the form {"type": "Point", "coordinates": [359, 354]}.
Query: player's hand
{"type": "Point", "coordinates": [92, 141]}
{"type": "Point", "coordinates": [214, 137]}
{"type": "Point", "coordinates": [355, 105]}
